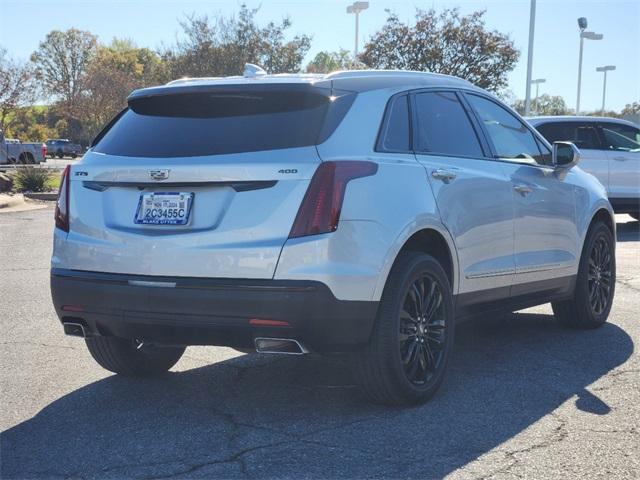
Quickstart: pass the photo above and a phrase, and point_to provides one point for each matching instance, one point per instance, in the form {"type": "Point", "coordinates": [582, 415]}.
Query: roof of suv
{"type": "Point", "coordinates": [351, 80]}
{"type": "Point", "coordinates": [576, 118]}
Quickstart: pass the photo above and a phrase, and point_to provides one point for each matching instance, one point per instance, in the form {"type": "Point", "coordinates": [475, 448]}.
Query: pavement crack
{"type": "Point", "coordinates": [37, 344]}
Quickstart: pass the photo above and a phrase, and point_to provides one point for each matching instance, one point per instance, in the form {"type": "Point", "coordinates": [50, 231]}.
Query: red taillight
{"type": "Point", "coordinates": [44, 151]}
{"type": "Point", "coordinates": [320, 208]}
{"type": "Point", "coordinates": [62, 205]}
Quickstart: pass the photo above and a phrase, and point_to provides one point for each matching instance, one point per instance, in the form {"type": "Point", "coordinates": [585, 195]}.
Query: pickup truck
{"type": "Point", "coordinates": [13, 150]}
{"type": "Point", "coordinates": [62, 147]}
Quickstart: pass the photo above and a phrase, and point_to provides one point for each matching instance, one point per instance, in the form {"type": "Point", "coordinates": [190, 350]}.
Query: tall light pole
{"type": "Point", "coordinates": [537, 83]}
{"type": "Point", "coordinates": [356, 8]}
{"type": "Point", "coordinates": [532, 26]}
{"type": "Point", "coordinates": [582, 24]}
{"type": "Point", "coordinates": [605, 69]}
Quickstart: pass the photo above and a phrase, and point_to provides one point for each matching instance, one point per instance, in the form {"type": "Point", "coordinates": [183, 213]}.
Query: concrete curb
{"type": "Point", "coordinates": [46, 196]}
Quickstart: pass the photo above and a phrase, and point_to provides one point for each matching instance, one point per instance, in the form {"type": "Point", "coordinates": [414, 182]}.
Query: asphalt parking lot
{"type": "Point", "coordinates": [524, 398]}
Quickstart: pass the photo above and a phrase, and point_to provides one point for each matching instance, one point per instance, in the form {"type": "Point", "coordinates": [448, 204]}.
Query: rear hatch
{"type": "Point", "coordinates": [198, 182]}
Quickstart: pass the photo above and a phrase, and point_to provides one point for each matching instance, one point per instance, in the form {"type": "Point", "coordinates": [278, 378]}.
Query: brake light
{"type": "Point", "coordinates": [62, 205]}
{"type": "Point", "coordinates": [321, 206]}
{"type": "Point", "coordinates": [44, 151]}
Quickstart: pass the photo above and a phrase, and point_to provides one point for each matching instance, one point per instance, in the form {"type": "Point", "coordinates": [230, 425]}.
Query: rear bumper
{"type": "Point", "coordinates": [198, 311]}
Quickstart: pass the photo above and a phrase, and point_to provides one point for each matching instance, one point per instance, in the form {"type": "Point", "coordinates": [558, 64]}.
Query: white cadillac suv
{"type": "Point", "coordinates": [357, 213]}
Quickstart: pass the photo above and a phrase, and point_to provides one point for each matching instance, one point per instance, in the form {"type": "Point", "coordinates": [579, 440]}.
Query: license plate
{"type": "Point", "coordinates": [164, 208]}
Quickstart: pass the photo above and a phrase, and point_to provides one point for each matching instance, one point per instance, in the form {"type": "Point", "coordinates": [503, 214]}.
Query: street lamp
{"type": "Point", "coordinates": [537, 83]}
{"type": "Point", "coordinates": [605, 69]}
{"type": "Point", "coordinates": [532, 26]}
{"type": "Point", "coordinates": [582, 24]}
{"type": "Point", "coordinates": [356, 8]}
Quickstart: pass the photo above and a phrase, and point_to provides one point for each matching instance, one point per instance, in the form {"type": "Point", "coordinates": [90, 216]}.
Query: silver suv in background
{"type": "Point", "coordinates": [356, 213]}
{"type": "Point", "coordinates": [610, 150]}
{"type": "Point", "coordinates": [62, 147]}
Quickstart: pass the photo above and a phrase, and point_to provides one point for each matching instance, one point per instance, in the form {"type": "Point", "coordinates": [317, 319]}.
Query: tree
{"type": "Point", "coordinates": [545, 104]}
{"type": "Point", "coordinates": [222, 45]}
{"type": "Point", "coordinates": [115, 71]}
{"type": "Point", "coordinates": [326, 62]}
{"type": "Point", "coordinates": [61, 62]}
{"type": "Point", "coordinates": [445, 43]}
{"type": "Point", "coordinates": [631, 109]}
{"type": "Point", "coordinates": [16, 88]}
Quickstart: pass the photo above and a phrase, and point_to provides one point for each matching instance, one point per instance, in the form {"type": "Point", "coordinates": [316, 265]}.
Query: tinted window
{"type": "Point", "coordinates": [511, 139]}
{"type": "Point", "coordinates": [395, 134]}
{"type": "Point", "coordinates": [444, 127]}
{"type": "Point", "coordinates": [621, 137]}
{"type": "Point", "coordinates": [583, 135]}
{"type": "Point", "coordinates": [194, 124]}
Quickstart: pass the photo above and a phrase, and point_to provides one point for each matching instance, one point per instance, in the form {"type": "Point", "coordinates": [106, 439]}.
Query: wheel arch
{"type": "Point", "coordinates": [431, 239]}
{"type": "Point", "coordinates": [603, 213]}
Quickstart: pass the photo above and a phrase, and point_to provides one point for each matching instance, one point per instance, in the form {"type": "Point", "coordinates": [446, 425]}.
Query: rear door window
{"type": "Point", "coordinates": [444, 127]}
{"type": "Point", "coordinates": [582, 134]}
{"type": "Point", "coordinates": [621, 137]}
{"type": "Point", "coordinates": [209, 123]}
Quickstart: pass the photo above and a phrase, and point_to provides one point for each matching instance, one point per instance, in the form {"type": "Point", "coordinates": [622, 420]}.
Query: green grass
{"type": "Point", "coordinates": [54, 181]}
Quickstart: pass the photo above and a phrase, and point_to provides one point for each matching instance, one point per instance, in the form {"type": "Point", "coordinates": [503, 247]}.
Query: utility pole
{"type": "Point", "coordinates": [356, 9]}
{"type": "Point", "coordinates": [532, 27]}
{"type": "Point", "coordinates": [605, 69]}
{"type": "Point", "coordinates": [582, 24]}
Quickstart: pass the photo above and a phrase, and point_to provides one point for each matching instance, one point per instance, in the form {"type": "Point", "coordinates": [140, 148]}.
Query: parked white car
{"type": "Point", "coordinates": [356, 213]}
{"type": "Point", "coordinates": [609, 149]}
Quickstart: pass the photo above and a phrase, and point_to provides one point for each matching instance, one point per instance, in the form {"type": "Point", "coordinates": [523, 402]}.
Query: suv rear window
{"type": "Point", "coordinates": [216, 123]}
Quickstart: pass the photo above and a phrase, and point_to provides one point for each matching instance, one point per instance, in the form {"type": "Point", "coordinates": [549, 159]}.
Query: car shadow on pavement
{"type": "Point", "coordinates": [628, 231]}
{"type": "Point", "coordinates": [303, 417]}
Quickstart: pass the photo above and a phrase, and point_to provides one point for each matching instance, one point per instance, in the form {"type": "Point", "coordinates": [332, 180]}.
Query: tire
{"type": "Point", "coordinates": [379, 367]}
{"type": "Point", "coordinates": [30, 159]}
{"type": "Point", "coordinates": [60, 154]}
{"type": "Point", "coordinates": [595, 284]}
{"type": "Point", "coordinates": [121, 356]}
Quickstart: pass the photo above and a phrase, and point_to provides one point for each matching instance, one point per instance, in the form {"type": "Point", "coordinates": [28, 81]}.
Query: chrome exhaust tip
{"type": "Point", "coordinates": [74, 329]}
{"type": "Point", "coordinates": [285, 346]}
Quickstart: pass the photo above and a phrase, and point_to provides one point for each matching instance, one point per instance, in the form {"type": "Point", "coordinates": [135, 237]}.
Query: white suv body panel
{"type": "Point", "coordinates": [230, 235]}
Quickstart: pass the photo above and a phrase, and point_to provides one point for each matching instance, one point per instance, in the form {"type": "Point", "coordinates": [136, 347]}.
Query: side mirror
{"type": "Point", "coordinates": [565, 155]}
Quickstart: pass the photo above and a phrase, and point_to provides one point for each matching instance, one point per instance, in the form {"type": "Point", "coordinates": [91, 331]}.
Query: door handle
{"type": "Point", "coordinates": [523, 190]}
{"type": "Point", "coordinates": [444, 175]}
{"type": "Point", "coordinates": [620, 159]}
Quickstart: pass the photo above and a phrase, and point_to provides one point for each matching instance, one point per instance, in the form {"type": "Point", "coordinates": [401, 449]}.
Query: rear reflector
{"type": "Point", "coordinates": [321, 206]}
{"type": "Point", "coordinates": [260, 322]}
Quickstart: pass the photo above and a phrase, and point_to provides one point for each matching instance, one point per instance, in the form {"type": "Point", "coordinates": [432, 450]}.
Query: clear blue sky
{"type": "Point", "coordinates": [23, 23]}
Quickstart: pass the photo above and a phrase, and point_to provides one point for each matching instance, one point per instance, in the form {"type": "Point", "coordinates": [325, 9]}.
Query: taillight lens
{"type": "Point", "coordinates": [62, 205]}
{"type": "Point", "coordinates": [44, 152]}
{"type": "Point", "coordinates": [320, 208]}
